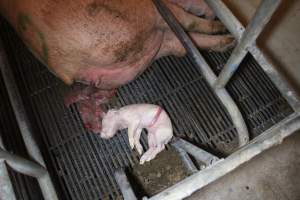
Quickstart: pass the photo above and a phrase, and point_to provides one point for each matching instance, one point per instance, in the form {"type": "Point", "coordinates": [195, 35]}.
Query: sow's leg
{"type": "Point", "coordinates": [197, 7]}
{"type": "Point", "coordinates": [206, 33]}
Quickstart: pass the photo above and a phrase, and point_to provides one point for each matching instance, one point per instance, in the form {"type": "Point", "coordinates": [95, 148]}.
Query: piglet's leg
{"type": "Point", "coordinates": [153, 150]}
{"type": "Point", "coordinates": [137, 143]}
{"type": "Point", "coordinates": [133, 127]}
{"type": "Point", "coordinates": [151, 153]}
{"type": "Point", "coordinates": [172, 45]}
{"type": "Point", "coordinates": [193, 23]}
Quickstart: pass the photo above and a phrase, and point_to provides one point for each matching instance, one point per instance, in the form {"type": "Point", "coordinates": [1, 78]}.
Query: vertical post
{"type": "Point", "coordinates": [261, 18]}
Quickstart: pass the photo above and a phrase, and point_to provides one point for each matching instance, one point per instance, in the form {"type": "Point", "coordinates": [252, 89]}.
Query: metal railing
{"type": "Point", "coordinates": [261, 18]}
{"type": "Point", "coordinates": [238, 31]}
{"type": "Point", "coordinates": [36, 168]}
{"type": "Point", "coordinates": [222, 94]}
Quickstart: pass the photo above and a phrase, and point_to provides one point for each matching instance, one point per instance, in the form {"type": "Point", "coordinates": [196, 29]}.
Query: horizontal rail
{"type": "Point", "coordinates": [266, 140]}
{"type": "Point", "coordinates": [261, 18]}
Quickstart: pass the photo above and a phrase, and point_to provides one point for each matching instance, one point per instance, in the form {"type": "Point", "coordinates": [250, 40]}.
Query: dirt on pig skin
{"type": "Point", "coordinates": [107, 43]}
{"type": "Point", "coordinates": [158, 174]}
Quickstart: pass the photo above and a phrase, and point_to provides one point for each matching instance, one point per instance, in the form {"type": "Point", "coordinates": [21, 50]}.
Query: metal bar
{"type": "Point", "coordinates": [188, 163]}
{"type": "Point", "coordinates": [124, 185]}
{"type": "Point", "coordinates": [45, 183]}
{"type": "Point", "coordinates": [22, 165]}
{"type": "Point", "coordinates": [199, 154]}
{"type": "Point", "coordinates": [266, 140]}
{"type": "Point", "coordinates": [281, 83]}
{"type": "Point", "coordinates": [209, 75]}
{"type": "Point", "coordinates": [237, 30]}
{"type": "Point", "coordinates": [261, 18]}
{"type": "Point", "coordinates": [6, 188]}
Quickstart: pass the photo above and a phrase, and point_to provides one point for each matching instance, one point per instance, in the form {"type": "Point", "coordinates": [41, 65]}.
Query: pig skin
{"type": "Point", "coordinates": [104, 44]}
{"type": "Point", "coordinates": [136, 117]}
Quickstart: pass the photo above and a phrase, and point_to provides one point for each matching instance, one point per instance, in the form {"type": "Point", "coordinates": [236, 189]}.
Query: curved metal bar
{"type": "Point", "coordinates": [22, 165]}
{"type": "Point", "coordinates": [237, 30]}
{"type": "Point", "coordinates": [26, 131]}
{"type": "Point", "coordinates": [209, 75]}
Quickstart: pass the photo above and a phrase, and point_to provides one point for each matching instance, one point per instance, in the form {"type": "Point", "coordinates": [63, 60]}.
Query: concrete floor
{"type": "Point", "coordinates": [272, 175]}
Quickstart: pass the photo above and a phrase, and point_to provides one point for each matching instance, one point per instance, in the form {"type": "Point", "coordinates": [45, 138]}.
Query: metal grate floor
{"type": "Point", "coordinates": [84, 163]}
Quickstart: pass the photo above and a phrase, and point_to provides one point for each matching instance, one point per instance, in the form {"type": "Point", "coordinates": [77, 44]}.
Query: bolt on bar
{"type": "Point", "coordinates": [124, 185]}
{"type": "Point", "coordinates": [208, 74]}
{"type": "Point", "coordinates": [45, 183]}
{"type": "Point", "coordinates": [199, 154]}
{"type": "Point", "coordinates": [261, 18]}
{"type": "Point", "coordinates": [6, 188]}
{"type": "Point", "coordinates": [188, 163]}
{"type": "Point", "coordinates": [266, 140]}
{"type": "Point", "coordinates": [237, 30]}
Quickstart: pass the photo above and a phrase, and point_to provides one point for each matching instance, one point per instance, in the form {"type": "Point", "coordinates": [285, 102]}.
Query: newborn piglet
{"type": "Point", "coordinates": [136, 117]}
